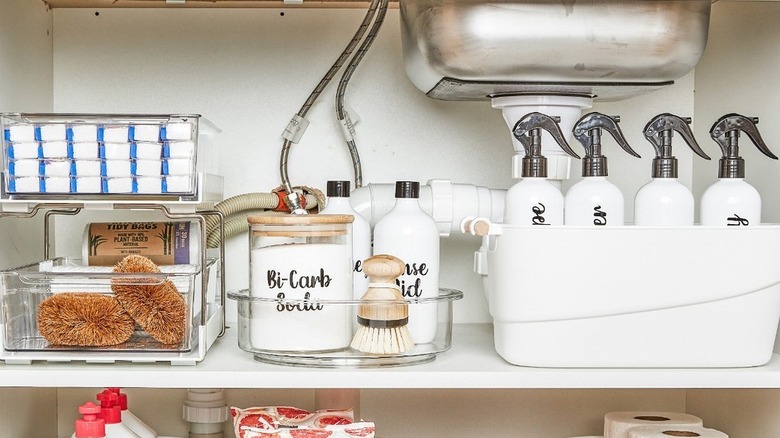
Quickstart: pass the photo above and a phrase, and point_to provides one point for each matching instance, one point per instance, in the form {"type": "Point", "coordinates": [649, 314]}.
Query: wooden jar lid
{"type": "Point", "coordinates": [298, 224]}
{"type": "Point", "coordinates": [300, 219]}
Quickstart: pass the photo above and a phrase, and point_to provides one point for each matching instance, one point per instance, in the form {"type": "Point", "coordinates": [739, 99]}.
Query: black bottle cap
{"type": "Point", "coordinates": [338, 189]}
{"type": "Point", "coordinates": [407, 189]}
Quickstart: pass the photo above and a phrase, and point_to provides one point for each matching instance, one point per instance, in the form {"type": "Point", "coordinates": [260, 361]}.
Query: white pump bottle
{"type": "Point", "coordinates": [338, 203]}
{"type": "Point", "coordinates": [665, 201]}
{"type": "Point", "coordinates": [594, 201]}
{"type": "Point", "coordinates": [407, 232]}
{"type": "Point", "coordinates": [732, 201]}
{"type": "Point", "coordinates": [535, 201]}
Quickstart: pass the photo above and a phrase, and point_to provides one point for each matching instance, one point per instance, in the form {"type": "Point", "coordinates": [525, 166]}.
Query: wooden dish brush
{"type": "Point", "coordinates": [382, 326]}
{"type": "Point", "coordinates": [157, 307]}
{"type": "Point", "coordinates": [84, 319]}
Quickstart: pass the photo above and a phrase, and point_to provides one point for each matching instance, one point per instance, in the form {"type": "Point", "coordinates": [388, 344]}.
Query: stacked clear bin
{"type": "Point", "coordinates": [94, 154]}
{"type": "Point", "coordinates": [25, 288]}
{"type": "Point", "coordinates": [201, 284]}
{"type": "Point", "coordinates": [65, 163]}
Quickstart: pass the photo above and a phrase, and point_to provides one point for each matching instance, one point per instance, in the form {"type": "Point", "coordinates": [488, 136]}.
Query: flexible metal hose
{"type": "Point", "coordinates": [293, 201]}
{"type": "Point", "coordinates": [341, 114]}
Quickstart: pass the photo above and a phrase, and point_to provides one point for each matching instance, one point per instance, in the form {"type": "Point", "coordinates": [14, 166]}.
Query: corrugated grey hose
{"type": "Point", "coordinates": [292, 199]}
{"type": "Point", "coordinates": [341, 113]}
{"type": "Point", "coordinates": [246, 204]}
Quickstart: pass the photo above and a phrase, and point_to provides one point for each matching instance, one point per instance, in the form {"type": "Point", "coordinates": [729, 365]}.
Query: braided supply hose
{"type": "Point", "coordinates": [293, 200]}
{"type": "Point", "coordinates": [341, 114]}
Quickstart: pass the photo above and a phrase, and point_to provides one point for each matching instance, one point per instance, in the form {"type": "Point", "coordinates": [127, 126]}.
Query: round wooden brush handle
{"type": "Point", "coordinates": [383, 268]}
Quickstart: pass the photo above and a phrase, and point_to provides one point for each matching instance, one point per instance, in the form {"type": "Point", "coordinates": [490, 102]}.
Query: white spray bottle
{"type": "Point", "coordinates": [535, 201]}
{"type": "Point", "coordinates": [594, 201]}
{"type": "Point", "coordinates": [731, 201]}
{"type": "Point", "coordinates": [665, 201]}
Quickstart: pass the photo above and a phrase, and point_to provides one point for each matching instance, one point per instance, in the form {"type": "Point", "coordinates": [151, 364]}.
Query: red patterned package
{"type": "Point", "coordinates": [254, 423]}
{"type": "Point", "coordinates": [291, 422]}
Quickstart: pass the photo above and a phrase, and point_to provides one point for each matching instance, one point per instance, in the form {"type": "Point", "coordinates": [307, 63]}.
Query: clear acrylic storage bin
{"type": "Point", "coordinates": [270, 345]}
{"type": "Point", "coordinates": [24, 289]}
{"type": "Point", "coordinates": [102, 155]}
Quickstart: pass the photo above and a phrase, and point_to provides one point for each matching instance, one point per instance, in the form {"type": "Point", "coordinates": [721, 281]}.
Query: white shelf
{"type": "Point", "coordinates": [471, 363]}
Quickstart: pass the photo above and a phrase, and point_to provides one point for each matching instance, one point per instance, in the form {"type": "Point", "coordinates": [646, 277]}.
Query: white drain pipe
{"type": "Point", "coordinates": [446, 202]}
{"type": "Point", "coordinates": [568, 107]}
{"type": "Point", "coordinates": [207, 412]}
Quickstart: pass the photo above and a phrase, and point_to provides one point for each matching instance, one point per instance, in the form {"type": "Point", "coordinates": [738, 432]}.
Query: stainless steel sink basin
{"type": "Point", "coordinates": [610, 49]}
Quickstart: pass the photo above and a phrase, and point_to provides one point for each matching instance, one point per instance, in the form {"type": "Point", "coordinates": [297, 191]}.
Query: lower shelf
{"type": "Point", "coordinates": [471, 363]}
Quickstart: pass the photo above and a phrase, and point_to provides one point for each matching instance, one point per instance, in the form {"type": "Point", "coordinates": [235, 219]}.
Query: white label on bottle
{"type": "Point", "coordinates": [408, 233]}
{"type": "Point", "coordinates": [418, 281]}
{"type": "Point", "coordinates": [411, 282]}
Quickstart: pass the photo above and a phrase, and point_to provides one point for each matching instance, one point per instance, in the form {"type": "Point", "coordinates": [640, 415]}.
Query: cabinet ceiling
{"type": "Point", "coordinates": [217, 3]}
{"type": "Point", "coordinates": [207, 3]}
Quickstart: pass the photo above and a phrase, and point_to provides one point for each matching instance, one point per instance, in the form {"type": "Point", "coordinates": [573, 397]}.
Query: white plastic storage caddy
{"type": "Point", "coordinates": [564, 296]}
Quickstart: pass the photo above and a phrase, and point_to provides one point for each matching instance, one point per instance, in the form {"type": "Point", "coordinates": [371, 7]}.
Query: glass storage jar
{"type": "Point", "coordinates": [301, 262]}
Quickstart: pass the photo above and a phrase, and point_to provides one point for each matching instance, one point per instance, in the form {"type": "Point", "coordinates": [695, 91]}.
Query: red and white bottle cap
{"type": "Point", "coordinates": [111, 415]}
{"type": "Point", "coordinates": [90, 426]}
{"type": "Point", "coordinates": [122, 397]}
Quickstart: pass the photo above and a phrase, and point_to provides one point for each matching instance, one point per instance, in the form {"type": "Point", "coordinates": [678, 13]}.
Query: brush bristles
{"type": "Point", "coordinates": [158, 308]}
{"type": "Point", "coordinates": [375, 340]}
{"type": "Point", "coordinates": [382, 326]}
{"type": "Point", "coordinates": [84, 320]}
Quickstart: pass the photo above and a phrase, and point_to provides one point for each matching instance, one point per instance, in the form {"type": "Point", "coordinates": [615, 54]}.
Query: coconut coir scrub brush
{"type": "Point", "coordinates": [156, 306]}
{"type": "Point", "coordinates": [383, 324]}
{"type": "Point", "coordinates": [84, 320]}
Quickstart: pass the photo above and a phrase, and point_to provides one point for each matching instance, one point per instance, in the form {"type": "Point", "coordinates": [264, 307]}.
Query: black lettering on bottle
{"type": "Point", "coordinates": [410, 289]}
{"type": "Point", "coordinates": [538, 211]}
{"type": "Point", "coordinates": [411, 281]}
{"type": "Point", "coordinates": [736, 221]}
{"type": "Point", "coordinates": [599, 217]}
{"type": "Point", "coordinates": [416, 269]}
